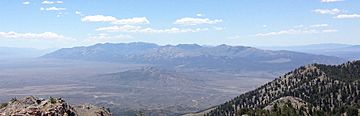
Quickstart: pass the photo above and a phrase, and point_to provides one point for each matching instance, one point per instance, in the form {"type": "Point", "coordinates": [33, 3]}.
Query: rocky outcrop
{"type": "Point", "coordinates": [33, 106]}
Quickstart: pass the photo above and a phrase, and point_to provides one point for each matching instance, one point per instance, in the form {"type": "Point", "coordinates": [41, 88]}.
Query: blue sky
{"type": "Point", "coordinates": [68, 23]}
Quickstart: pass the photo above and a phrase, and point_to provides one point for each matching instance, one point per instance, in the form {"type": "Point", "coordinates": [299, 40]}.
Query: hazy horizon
{"type": "Point", "coordinates": [260, 47]}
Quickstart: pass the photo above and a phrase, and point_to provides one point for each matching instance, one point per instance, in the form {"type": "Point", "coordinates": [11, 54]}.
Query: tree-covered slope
{"type": "Point", "coordinates": [326, 89]}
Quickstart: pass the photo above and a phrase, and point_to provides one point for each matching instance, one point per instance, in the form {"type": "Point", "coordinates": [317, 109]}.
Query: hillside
{"type": "Point", "coordinates": [315, 89]}
{"type": "Point", "coordinates": [147, 77]}
{"type": "Point", "coordinates": [48, 107]}
{"type": "Point", "coordinates": [222, 57]}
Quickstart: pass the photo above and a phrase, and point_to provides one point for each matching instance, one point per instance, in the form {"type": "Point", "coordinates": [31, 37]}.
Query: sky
{"type": "Point", "coordinates": [67, 23]}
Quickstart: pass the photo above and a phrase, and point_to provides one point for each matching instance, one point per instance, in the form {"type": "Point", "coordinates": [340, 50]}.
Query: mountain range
{"type": "Point", "coordinates": [222, 57]}
{"type": "Point", "coordinates": [310, 90]}
{"type": "Point", "coordinates": [349, 52]}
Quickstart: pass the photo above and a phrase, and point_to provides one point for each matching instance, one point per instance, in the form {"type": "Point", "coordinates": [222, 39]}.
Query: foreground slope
{"type": "Point", "coordinates": [310, 90]}
{"type": "Point", "coordinates": [48, 107]}
{"type": "Point", "coordinates": [222, 57]}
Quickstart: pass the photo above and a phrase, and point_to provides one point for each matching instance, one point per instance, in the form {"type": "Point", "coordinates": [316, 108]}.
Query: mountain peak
{"type": "Point", "coordinates": [188, 46]}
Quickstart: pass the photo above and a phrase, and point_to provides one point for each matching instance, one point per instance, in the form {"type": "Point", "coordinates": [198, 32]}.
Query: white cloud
{"type": "Point", "coordinates": [26, 3]}
{"type": "Point", "coordinates": [328, 11]}
{"type": "Point", "coordinates": [125, 28]}
{"type": "Point", "coordinates": [98, 18]}
{"type": "Point", "coordinates": [52, 9]}
{"type": "Point", "coordinates": [113, 20]}
{"type": "Point", "coordinates": [37, 40]}
{"type": "Point", "coordinates": [286, 32]}
{"type": "Point", "coordinates": [319, 25]}
{"type": "Point", "coordinates": [329, 1]}
{"type": "Point", "coordinates": [199, 15]}
{"type": "Point", "coordinates": [138, 29]}
{"type": "Point", "coordinates": [297, 30]}
{"type": "Point", "coordinates": [348, 16]}
{"type": "Point", "coordinates": [329, 30]}
{"type": "Point", "coordinates": [52, 2]}
{"type": "Point", "coordinates": [196, 21]}
{"type": "Point", "coordinates": [135, 20]}
{"type": "Point", "coordinates": [339, 14]}
{"type": "Point", "coordinates": [78, 12]}
{"type": "Point", "coordinates": [44, 35]}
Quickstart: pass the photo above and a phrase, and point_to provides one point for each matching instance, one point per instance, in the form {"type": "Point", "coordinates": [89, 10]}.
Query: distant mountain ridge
{"type": "Point", "coordinates": [223, 57]}
{"type": "Point", "coordinates": [350, 52]}
{"type": "Point", "coordinates": [315, 89]}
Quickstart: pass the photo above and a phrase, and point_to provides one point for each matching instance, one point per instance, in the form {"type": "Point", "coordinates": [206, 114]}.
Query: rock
{"type": "Point", "coordinates": [48, 107]}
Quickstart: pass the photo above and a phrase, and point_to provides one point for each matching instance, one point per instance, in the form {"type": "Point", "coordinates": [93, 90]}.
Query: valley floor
{"type": "Point", "coordinates": [113, 85]}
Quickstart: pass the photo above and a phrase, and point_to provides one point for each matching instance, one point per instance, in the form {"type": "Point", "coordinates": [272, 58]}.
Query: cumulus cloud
{"type": "Point", "coordinates": [44, 35]}
{"type": "Point", "coordinates": [78, 12]}
{"type": "Point", "coordinates": [312, 29]}
{"type": "Point", "coordinates": [329, 30]}
{"type": "Point", "coordinates": [138, 29]}
{"type": "Point", "coordinates": [329, 1]}
{"type": "Point", "coordinates": [32, 40]}
{"type": "Point", "coordinates": [339, 13]}
{"type": "Point", "coordinates": [52, 2]}
{"type": "Point", "coordinates": [125, 28]}
{"type": "Point", "coordinates": [348, 16]}
{"type": "Point", "coordinates": [328, 11]}
{"type": "Point", "coordinates": [26, 2]}
{"type": "Point", "coordinates": [52, 9]}
{"type": "Point", "coordinates": [98, 18]}
{"type": "Point", "coordinates": [286, 32]}
{"type": "Point", "coordinates": [319, 25]}
{"type": "Point", "coordinates": [113, 20]}
{"type": "Point", "coordinates": [135, 20]}
{"type": "Point", "coordinates": [295, 32]}
{"type": "Point", "coordinates": [196, 21]}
